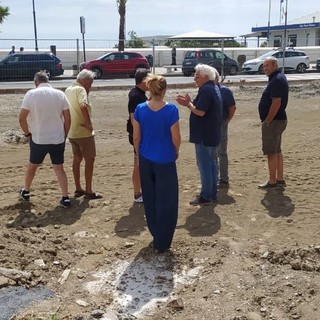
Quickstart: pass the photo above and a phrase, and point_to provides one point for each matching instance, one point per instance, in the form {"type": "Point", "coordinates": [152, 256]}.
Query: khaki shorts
{"type": "Point", "coordinates": [271, 136]}
{"type": "Point", "coordinates": [84, 147]}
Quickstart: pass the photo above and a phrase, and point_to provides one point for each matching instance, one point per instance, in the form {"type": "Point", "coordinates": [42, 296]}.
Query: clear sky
{"type": "Point", "coordinates": [60, 18]}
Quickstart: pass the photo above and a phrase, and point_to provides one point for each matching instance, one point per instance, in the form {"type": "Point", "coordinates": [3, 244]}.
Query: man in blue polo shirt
{"type": "Point", "coordinates": [272, 111]}
{"type": "Point", "coordinates": [205, 129]}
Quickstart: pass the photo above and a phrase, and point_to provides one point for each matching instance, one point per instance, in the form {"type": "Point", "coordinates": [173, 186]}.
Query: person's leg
{"type": "Point", "coordinates": [76, 171]}
{"type": "Point", "coordinates": [166, 204]}
{"type": "Point", "coordinates": [223, 155]}
{"type": "Point", "coordinates": [62, 178]}
{"type": "Point", "coordinates": [88, 173]}
{"type": "Point", "coordinates": [280, 176]}
{"type": "Point", "coordinates": [136, 177]}
{"type": "Point", "coordinates": [206, 166]}
{"type": "Point", "coordinates": [29, 175]}
{"type": "Point", "coordinates": [148, 190]}
{"type": "Point", "coordinates": [273, 165]}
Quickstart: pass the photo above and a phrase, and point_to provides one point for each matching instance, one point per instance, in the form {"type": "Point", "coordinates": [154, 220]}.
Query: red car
{"type": "Point", "coordinates": [116, 63]}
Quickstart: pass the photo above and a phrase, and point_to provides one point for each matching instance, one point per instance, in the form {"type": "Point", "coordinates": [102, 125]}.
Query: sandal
{"type": "Point", "coordinates": [79, 193]}
{"type": "Point", "coordinates": [92, 196]}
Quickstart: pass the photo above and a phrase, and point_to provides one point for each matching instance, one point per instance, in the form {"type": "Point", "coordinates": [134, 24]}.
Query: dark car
{"type": "Point", "coordinates": [116, 63]}
{"type": "Point", "coordinates": [24, 65]}
{"type": "Point", "coordinates": [318, 65]}
{"type": "Point", "coordinates": [211, 57]}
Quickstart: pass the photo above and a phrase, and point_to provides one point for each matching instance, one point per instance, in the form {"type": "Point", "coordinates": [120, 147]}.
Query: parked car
{"type": "Point", "coordinates": [294, 60]}
{"type": "Point", "coordinates": [318, 65]}
{"type": "Point", "coordinates": [116, 63]}
{"type": "Point", "coordinates": [23, 65]}
{"type": "Point", "coordinates": [211, 57]}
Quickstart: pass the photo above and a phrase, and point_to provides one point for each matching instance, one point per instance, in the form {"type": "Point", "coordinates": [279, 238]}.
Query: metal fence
{"type": "Point", "coordinates": [71, 53]}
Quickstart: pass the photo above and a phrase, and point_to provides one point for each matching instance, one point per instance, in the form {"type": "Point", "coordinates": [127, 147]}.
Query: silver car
{"type": "Point", "coordinates": [294, 60]}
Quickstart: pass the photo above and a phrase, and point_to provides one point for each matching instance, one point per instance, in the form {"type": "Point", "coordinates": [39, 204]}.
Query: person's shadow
{"type": "Point", "coordinates": [203, 223]}
{"type": "Point", "coordinates": [58, 216]}
{"type": "Point", "coordinates": [133, 224]}
{"type": "Point", "coordinates": [146, 280]}
{"type": "Point", "coordinates": [277, 204]}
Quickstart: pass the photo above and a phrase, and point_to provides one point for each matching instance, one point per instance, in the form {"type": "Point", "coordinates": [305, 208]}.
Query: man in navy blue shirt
{"type": "Point", "coordinates": [272, 111]}
{"type": "Point", "coordinates": [205, 129]}
{"type": "Point", "coordinates": [228, 111]}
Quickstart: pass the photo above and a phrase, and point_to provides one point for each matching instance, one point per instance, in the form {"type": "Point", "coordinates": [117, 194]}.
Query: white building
{"type": "Point", "coordinates": [301, 32]}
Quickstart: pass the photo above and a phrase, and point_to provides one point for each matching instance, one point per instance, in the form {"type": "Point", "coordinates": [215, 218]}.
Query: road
{"type": "Point", "coordinates": [124, 83]}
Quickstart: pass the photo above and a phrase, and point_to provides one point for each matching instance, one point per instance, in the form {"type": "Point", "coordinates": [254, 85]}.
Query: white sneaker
{"type": "Point", "coordinates": [138, 199]}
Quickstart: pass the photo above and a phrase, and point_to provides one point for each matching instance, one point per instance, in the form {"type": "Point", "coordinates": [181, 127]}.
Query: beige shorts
{"type": "Point", "coordinates": [83, 147]}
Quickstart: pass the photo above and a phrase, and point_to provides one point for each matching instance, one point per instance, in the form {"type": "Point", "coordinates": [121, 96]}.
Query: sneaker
{"type": "Point", "coordinates": [198, 201]}
{"type": "Point", "coordinates": [24, 194]}
{"type": "Point", "coordinates": [65, 202]}
{"type": "Point", "coordinates": [138, 198]}
{"type": "Point", "coordinates": [268, 185]}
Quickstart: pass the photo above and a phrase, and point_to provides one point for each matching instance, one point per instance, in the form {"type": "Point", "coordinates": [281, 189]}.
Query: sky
{"type": "Point", "coordinates": [59, 19]}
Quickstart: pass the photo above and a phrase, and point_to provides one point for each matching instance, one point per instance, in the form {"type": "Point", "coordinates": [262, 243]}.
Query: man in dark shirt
{"type": "Point", "coordinates": [272, 111]}
{"type": "Point", "coordinates": [136, 96]}
{"type": "Point", "coordinates": [205, 129]}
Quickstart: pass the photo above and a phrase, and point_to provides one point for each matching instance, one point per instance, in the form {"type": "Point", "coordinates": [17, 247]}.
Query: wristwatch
{"type": "Point", "coordinates": [27, 134]}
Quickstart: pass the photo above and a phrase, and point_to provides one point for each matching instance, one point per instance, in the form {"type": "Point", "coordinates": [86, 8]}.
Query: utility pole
{"type": "Point", "coordinates": [35, 27]}
{"type": "Point", "coordinates": [284, 36]}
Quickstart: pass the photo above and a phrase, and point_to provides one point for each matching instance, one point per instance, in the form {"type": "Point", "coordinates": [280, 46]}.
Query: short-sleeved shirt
{"type": "Point", "coordinates": [77, 95]}
{"type": "Point", "coordinates": [136, 96]}
{"type": "Point", "coordinates": [46, 106]}
{"type": "Point", "coordinates": [155, 127]}
{"type": "Point", "coordinates": [227, 100]}
{"type": "Point", "coordinates": [207, 129]}
{"type": "Point", "coordinates": [277, 88]}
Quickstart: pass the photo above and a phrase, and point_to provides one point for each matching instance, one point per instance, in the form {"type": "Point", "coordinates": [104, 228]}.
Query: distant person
{"type": "Point", "coordinates": [228, 111]}
{"type": "Point", "coordinates": [136, 96]}
{"type": "Point", "coordinates": [13, 50]}
{"type": "Point", "coordinates": [156, 137]}
{"type": "Point", "coordinates": [47, 110]}
{"type": "Point", "coordinates": [174, 56]}
{"type": "Point", "coordinates": [205, 130]}
{"type": "Point", "coordinates": [272, 111]}
{"type": "Point", "coordinates": [81, 134]}
{"type": "Point", "coordinates": [21, 49]}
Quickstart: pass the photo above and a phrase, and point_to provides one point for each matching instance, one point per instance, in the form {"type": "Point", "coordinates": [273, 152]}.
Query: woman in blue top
{"type": "Point", "coordinates": [156, 138]}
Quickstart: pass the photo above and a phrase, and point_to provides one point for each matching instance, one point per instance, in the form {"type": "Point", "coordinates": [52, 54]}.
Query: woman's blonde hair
{"type": "Point", "coordinates": [156, 84]}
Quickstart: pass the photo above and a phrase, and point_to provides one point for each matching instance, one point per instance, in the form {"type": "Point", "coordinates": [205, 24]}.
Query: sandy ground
{"type": "Point", "coordinates": [254, 255]}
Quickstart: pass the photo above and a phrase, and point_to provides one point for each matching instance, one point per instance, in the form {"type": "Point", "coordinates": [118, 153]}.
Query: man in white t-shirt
{"type": "Point", "coordinates": [45, 120]}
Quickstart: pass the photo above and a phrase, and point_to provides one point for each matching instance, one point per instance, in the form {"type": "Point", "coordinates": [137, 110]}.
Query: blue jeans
{"type": "Point", "coordinates": [159, 184]}
{"type": "Point", "coordinates": [222, 154]}
{"type": "Point", "coordinates": [208, 172]}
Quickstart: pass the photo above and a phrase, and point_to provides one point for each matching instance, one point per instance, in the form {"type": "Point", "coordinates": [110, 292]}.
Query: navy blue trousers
{"type": "Point", "coordinates": [159, 183]}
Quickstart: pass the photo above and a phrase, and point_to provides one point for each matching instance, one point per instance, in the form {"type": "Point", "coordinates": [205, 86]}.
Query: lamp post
{"type": "Point", "coordinates": [285, 35]}
{"type": "Point", "coordinates": [35, 26]}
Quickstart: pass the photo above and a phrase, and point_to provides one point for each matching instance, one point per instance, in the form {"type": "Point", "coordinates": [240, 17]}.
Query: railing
{"type": "Point", "coordinates": [69, 51]}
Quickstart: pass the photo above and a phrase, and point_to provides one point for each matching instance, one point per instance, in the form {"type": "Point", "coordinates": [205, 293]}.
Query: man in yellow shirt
{"type": "Point", "coordinates": [81, 133]}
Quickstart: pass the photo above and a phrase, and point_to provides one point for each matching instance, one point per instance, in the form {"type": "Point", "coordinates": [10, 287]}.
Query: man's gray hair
{"type": "Point", "coordinates": [206, 70]}
{"type": "Point", "coordinates": [41, 77]}
{"type": "Point", "coordinates": [85, 74]}
{"type": "Point", "coordinates": [273, 60]}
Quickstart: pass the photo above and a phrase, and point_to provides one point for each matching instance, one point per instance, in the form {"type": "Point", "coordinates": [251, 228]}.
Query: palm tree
{"type": "Point", "coordinates": [122, 12]}
{"type": "Point", "coordinates": [4, 12]}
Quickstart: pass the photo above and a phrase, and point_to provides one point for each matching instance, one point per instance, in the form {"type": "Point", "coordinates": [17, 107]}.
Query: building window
{"type": "Point", "coordinates": [277, 41]}
{"type": "Point", "coordinates": [292, 40]}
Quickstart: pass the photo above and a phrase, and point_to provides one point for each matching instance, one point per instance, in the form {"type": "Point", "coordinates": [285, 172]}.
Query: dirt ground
{"type": "Point", "coordinates": [254, 255]}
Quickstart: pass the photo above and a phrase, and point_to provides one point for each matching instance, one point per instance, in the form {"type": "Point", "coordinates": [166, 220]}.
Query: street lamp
{"type": "Point", "coordinates": [35, 26]}
{"type": "Point", "coordinates": [285, 35]}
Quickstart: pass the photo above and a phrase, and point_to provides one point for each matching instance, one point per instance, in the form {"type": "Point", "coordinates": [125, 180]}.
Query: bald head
{"type": "Point", "coordinates": [270, 65]}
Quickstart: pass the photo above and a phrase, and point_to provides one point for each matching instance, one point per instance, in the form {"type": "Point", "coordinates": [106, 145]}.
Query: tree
{"type": "Point", "coordinates": [4, 13]}
{"type": "Point", "coordinates": [135, 41]}
{"type": "Point", "coordinates": [122, 12]}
